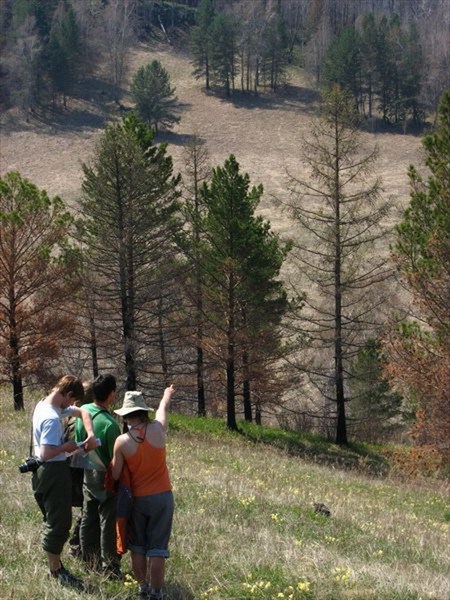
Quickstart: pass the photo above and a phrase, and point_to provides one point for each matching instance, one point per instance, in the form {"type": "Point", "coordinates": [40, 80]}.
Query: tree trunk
{"type": "Point", "coordinates": [93, 346]}
{"type": "Point", "coordinates": [258, 416]}
{"type": "Point", "coordinates": [201, 404]}
{"type": "Point", "coordinates": [341, 430]}
{"type": "Point", "coordinates": [15, 372]}
{"type": "Point", "coordinates": [162, 345]}
{"type": "Point", "coordinates": [246, 388]}
{"type": "Point", "coordinates": [231, 408]}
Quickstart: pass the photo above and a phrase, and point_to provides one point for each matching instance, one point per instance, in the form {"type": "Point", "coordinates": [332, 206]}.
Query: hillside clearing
{"type": "Point", "coordinates": [245, 527]}
{"type": "Point", "coordinates": [263, 133]}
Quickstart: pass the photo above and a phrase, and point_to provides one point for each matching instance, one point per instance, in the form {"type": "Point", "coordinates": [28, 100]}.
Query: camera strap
{"type": "Point", "coordinates": [31, 453]}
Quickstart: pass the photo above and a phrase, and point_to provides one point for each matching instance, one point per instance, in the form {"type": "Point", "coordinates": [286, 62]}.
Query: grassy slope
{"type": "Point", "coordinates": [245, 525]}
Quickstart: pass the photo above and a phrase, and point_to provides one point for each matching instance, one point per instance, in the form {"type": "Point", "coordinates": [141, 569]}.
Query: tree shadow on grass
{"type": "Point", "coordinates": [354, 457]}
{"type": "Point", "coordinates": [71, 120]}
{"type": "Point", "coordinates": [172, 138]}
{"type": "Point", "coordinates": [289, 97]}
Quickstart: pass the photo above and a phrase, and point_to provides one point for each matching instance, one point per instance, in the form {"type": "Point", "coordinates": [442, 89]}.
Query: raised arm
{"type": "Point", "coordinates": [85, 416]}
{"type": "Point", "coordinates": [163, 408]}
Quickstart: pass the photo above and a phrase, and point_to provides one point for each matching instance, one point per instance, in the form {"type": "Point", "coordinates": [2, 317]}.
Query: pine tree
{"type": "Point", "coordinates": [197, 172]}
{"type": "Point", "coordinates": [129, 210]}
{"type": "Point", "coordinates": [38, 275]}
{"type": "Point", "coordinates": [342, 63]}
{"type": "Point", "coordinates": [154, 96]}
{"type": "Point", "coordinates": [369, 75]}
{"type": "Point", "coordinates": [411, 75]}
{"type": "Point", "coordinates": [420, 350]}
{"type": "Point", "coordinates": [275, 53]}
{"type": "Point", "coordinates": [224, 51]}
{"type": "Point", "coordinates": [201, 41]}
{"type": "Point", "coordinates": [241, 260]}
{"type": "Point", "coordinates": [339, 211]}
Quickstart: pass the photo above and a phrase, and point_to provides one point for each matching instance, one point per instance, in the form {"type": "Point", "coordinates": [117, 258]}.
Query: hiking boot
{"type": "Point", "coordinates": [143, 592]}
{"type": "Point", "coordinates": [67, 579]}
{"type": "Point", "coordinates": [75, 551]}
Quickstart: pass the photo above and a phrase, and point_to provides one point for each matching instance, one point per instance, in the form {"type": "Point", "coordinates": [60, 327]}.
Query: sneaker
{"type": "Point", "coordinates": [155, 595]}
{"type": "Point", "coordinates": [67, 579]}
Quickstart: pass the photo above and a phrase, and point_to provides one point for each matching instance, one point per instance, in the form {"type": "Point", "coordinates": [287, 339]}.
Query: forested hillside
{"type": "Point", "coordinates": [214, 193]}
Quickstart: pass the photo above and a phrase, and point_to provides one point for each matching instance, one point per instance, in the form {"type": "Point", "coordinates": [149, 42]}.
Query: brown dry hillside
{"type": "Point", "coordinates": [264, 134]}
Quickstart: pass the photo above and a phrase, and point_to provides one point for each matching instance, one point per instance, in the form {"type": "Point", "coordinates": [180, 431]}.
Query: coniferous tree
{"type": "Point", "coordinates": [38, 275]}
{"type": "Point", "coordinates": [197, 172]}
{"type": "Point", "coordinates": [376, 407]}
{"type": "Point", "coordinates": [129, 210]}
{"type": "Point", "coordinates": [201, 41]}
{"type": "Point", "coordinates": [241, 260]}
{"type": "Point", "coordinates": [369, 74]}
{"type": "Point", "coordinates": [224, 51]}
{"type": "Point", "coordinates": [275, 53]}
{"type": "Point", "coordinates": [339, 212]}
{"type": "Point", "coordinates": [411, 75]}
{"type": "Point", "coordinates": [342, 63]}
{"type": "Point", "coordinates": [154, 96]}
{"type": "Point", "coordinates": [419, 351]}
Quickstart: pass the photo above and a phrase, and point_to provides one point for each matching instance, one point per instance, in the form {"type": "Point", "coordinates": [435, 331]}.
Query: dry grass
{"type": "Point", "coordinates": [263, 133]}
{"type": "Point", "coordinates": [245, 528]}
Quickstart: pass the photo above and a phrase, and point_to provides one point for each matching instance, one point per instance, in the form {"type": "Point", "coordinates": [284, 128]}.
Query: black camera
{"type": "Point", "coordinates": [31, 465]}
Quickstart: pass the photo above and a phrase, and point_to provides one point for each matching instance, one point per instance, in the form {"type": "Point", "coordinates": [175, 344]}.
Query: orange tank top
{"type": "Point", "coordinates": [148, 469]}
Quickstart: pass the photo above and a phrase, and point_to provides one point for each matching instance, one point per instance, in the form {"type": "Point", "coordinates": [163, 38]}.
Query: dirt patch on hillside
{"type": "Point", "coordinates": [263, 133]}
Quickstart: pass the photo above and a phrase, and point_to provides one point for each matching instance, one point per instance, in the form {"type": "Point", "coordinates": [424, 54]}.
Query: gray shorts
{"type": "Point", "coordinates": [151, 524]}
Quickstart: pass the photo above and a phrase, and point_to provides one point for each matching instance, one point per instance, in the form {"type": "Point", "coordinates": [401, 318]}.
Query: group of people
{"type": "Point", "coordinates": [136, 460]}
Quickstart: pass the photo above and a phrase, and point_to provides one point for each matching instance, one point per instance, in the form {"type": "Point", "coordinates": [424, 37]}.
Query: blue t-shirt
{"type": "Point", "coordinates": [48, 428]}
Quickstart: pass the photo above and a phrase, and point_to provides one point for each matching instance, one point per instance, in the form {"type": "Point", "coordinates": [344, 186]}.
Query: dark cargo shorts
{"type": "Point", "coordinates": [151, 524]}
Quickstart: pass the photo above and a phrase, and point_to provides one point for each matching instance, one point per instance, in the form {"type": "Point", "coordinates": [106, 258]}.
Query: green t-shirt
{"type": "Point", "coordinates": [106, 429]}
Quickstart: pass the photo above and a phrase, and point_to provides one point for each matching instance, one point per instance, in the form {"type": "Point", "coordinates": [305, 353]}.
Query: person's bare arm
{"type": "Point", "coordinates": [47, 452]}
{"type": "Point", "coordinates": [117, 459]}
{"type": "Point", "coordinates": [90, 442]}
{"type": "Point", "coordinates": [161, 413]}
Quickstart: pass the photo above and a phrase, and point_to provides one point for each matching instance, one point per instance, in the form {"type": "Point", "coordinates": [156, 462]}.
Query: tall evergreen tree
{"type": "Point", "coordinates": [275, 53]}
{"type": "Point", "coordinates": [339, 211]}
{"type": "Point", "coordinates": [129, 210]}
{"type": "Point", "coordinates": [420, 349]}
{"type": "Point", "coordinates": [342, 63]}
{"type": "Point", "coordinates": [411, 75]}
{"type": "Point", "coordinates": [369, 42]}
{"type": "Point", "coordinates": [201, 41]}
{"type": "Point", "coordinates": [241, 260]}
{"type": "Point", "coordinates": [197, 172]}
{"type": "Point", "coordinates": [224, 52]}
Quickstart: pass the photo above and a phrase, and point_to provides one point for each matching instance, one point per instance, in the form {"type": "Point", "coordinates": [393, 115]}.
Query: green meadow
{"type": "Point", "coordinates": [246, 526]}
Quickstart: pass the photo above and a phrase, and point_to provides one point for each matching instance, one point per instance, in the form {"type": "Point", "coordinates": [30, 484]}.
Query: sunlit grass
{"type": "Point", "coordinates": [245, 525]}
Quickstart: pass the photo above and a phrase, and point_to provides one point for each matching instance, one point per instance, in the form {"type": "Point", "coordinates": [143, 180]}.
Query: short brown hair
{"type": "Point", "coordinates": [69, 383]}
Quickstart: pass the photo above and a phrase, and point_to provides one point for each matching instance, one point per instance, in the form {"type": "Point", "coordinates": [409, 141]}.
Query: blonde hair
{"type": "Point", "coordinates": [69, 383]}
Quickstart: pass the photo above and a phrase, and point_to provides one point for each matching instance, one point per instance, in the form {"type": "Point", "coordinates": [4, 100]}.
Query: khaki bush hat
{"type": "Point", "coordinates": [132, 402]}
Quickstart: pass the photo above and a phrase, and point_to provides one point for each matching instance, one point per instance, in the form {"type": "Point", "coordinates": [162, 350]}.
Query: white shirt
{"type": "Point", "coordinates": [48, 428]}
